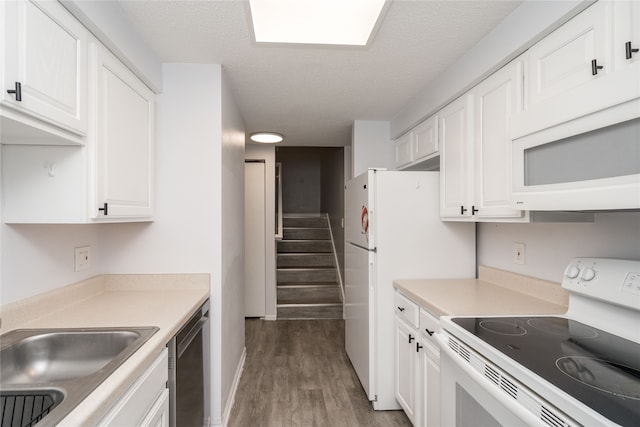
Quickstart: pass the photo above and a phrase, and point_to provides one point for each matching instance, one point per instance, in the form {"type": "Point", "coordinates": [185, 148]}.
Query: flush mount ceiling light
{"type": "Point", "coordinates": [266, 137]}
{"type": "Point", "coordinates": [333, 22]}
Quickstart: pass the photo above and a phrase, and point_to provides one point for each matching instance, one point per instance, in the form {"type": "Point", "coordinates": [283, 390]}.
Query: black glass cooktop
{"type": "Point", "coordinates": [597, 368]}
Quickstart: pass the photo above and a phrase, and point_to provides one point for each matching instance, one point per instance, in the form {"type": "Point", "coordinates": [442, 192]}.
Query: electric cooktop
{"type": "Point", "coordinates": [597, 368]}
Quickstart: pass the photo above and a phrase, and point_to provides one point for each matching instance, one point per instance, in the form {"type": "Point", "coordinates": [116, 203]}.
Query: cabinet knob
{"type": "Point", "coordinates": [463, 210]}
{"type": "Point", "coordinates": [429, 332]}
{"type": "Point", "coordinates": [105, 209]}
{"type": "Point", "coordinates": [17, 91]}
{"type": "Point", "coordinates": [629, 51]}
{"type": "Point", "coordinates": [595, 67]}
{"type": "Point", "coordinates": [418, 347]}
{"type": "Point", "coordinates": [400, 308]}
{"type": "Point", "coordinates": [473, 210]}
{"type": "Point", "coordinates": [411, 338]}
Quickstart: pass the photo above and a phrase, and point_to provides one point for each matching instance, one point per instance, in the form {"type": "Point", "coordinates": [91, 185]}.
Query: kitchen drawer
{"type": "Point", "coordinates": [429, 325]}
{"type": "Point", "coordinates": [407, 309]}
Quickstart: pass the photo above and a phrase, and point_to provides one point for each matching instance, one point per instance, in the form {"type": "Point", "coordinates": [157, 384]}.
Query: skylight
{"type": "Point", "coordinates": [332, 22]}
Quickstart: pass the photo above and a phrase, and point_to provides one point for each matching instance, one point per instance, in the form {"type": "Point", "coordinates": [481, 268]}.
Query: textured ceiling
{"type": "Point", "coordinates": [312, 94]}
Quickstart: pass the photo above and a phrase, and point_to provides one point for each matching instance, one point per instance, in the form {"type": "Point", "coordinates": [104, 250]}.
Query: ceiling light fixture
{"type": "Point", "coordinates": [266, 137]}
{"type": "Point", "coordinates": [329, 22]}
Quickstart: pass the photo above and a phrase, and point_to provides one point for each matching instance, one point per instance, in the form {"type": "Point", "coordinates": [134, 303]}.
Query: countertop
{"type": "Point", "coordinates": [495, 292]}
{"type": "Point", "coordinates": [165, 301]}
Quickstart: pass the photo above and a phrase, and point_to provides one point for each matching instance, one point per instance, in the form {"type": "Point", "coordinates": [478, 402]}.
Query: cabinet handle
{"type": "Point", "coordinates": [473, 210]}
{"type": "Point", "coordinates": [429, 332]}
{"type": "Point", "coordinates": [463, 210]}
{"type": "Point", "coordinates": [17, 91]}
{"type": "Point", "coordinates": [400, 308]}
{"type": "Point", "coordinates": [418, 347]}
{"type": "Point", "coordinates": [105, 209]}
{"type": "Point", "coordinates": [628, 50]}
{"type": "Point", "coordinates": [411, 338]}
{"type": "Point", "coordinates": [595, 67]}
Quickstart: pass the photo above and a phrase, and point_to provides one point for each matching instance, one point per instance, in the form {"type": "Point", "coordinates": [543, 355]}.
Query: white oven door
{"type": "Point", "coordinates": [469, 398]}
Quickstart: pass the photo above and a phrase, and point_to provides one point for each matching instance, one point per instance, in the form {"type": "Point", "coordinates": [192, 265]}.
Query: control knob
{"type": "Point", "coordinates": [587, 274]}
{"type": "Point", "coordinates": [572, 272]}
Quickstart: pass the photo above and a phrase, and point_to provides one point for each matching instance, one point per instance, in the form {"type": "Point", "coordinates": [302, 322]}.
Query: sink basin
{"type": "Point", "coordinates": [61, 366]}
{"type": "Point", "coordinates": [61, 356]}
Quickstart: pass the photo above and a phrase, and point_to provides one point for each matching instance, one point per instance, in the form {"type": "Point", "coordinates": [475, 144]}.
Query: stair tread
{"type": "Point", "coordinates": [309, 285]}
{"type": "Point", "coordinates": [310, 304]}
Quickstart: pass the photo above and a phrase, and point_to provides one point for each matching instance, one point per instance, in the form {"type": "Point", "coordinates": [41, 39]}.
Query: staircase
{"type": "Point", "coordinates": [306, 273]}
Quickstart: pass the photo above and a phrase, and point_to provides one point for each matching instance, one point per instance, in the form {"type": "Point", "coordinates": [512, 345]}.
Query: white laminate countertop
{"type": "Point", "coordinates": [494, 293]}
{"type": "Point", "coordinates": [165, 301]}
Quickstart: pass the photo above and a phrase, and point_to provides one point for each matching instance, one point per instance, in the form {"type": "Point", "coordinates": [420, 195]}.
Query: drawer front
{"type": "Point", "coordinates": [429, 324]}
{"type": "Point", "coordinates": [407, 309]}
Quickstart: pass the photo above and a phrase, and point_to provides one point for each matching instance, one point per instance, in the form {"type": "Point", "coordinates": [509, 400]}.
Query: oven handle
{"type": "Point", "coordinates": [512, 405]}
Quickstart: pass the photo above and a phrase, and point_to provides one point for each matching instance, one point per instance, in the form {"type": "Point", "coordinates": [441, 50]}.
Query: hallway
{"type": "Point", "coordinates": [297, 373]}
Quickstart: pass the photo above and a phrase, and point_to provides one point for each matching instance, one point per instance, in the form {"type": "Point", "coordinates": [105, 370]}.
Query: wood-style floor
{"type": "Point", "coordinates": [297, 373]}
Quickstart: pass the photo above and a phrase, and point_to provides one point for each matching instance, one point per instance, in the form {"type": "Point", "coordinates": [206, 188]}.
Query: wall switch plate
{"type": "Point", "coordinates": [83, 258]}
{"type": "Point", "coordinates": [518, 253]}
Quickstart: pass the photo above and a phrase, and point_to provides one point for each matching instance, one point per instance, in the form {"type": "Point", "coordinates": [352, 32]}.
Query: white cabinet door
{"type": "Point", "coordinates": [456, 154]}
{"type": "Point", "coordinates": [430, 385]}
{"type": "Point", "coordinates": [158, 415]}
{"type": "Point", "coordinates": [124, 141]}
{"type": "Point", "coordinates": [45, 52]}
{"type": "Point", "coordinates": [626, 18]}
{"type": "Point", "coordinates": [496, 99]}
{"type": "Point", "coordinates": [404, 150]}
{"type": "Point", "coordinates": [426, 139]}
{"type": "Point", "coordinates": [406, 367]}
{"type": "Point", "coordinates": [563, 60]}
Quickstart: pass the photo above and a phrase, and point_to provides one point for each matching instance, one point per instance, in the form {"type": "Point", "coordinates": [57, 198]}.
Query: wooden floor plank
{"type": "Point", "coordinates": [297, 373]}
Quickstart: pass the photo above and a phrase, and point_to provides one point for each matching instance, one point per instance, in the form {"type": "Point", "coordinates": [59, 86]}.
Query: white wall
{"type": "Point", "coordinates": [371, 146]}
{"type": "Point", "coordinates": [232, 203]}
{"type": "Point", "coordinates": [268, 154]}
{"type": "Point", "coordinates": [549, 247]}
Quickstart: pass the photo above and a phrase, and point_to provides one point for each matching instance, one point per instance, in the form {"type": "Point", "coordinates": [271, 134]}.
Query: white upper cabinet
{"type": "Point", "coordinates": [44, 67]}
{"type": "Point", "coordinates": [456, 158]}
{"type": "Point", "coordinates": [124, 140]}
{"type": "Point", "coordinates": [496, 99]}
{"type": "Point", "coordinates": [417, 145]}
{"type": "Point", "coordinates": [475, 149]}
{"type": "Point", "coordinates": [581, 69]}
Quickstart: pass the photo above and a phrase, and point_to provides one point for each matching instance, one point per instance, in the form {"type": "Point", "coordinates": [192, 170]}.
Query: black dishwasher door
{"type": "Point", "coordinates": [187, 384]}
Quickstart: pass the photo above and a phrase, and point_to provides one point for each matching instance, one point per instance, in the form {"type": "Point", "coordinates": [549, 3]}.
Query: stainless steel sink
{"type": "Point", "coordinates": [68, 363]}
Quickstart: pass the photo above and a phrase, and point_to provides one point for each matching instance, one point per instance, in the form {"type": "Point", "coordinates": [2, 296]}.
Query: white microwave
{"type": "Point", "coordinates": [586, 164]}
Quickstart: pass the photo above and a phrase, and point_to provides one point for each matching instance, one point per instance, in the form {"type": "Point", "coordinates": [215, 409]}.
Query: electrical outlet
{"type": "Point", "coordinates": [83, 258]}
{"type": "Point", "coordinates": [518, 253]}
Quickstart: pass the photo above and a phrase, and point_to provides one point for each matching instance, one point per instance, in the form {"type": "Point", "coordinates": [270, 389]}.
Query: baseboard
{"type": "Point", "coordinates": [271, 317]}
{"type": "Point", "coordinates": [234, 388]}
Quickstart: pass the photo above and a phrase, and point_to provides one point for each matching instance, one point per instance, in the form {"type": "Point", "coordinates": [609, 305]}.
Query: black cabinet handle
{"type": "Point", "coordinates": [411, 338]}
{"type": "Point", "coordinates": [429, 332]}
{"type": "Point", "coordinates": [17, 91]}
{"type": "Point", "coordinates": [473, 210]}
{"type": "Point", "coordinates": [418, 347]}
{"type": "Point", "coordinates": [629, 50]}
{"type": "Point", "coordinates": [105, 209]}
{"type": "Point", "coordinates": [400, 308]}
{"type": "Point", "coordinates": [595, 67]}
{"type": "Point", "coordinates": [463, 210]}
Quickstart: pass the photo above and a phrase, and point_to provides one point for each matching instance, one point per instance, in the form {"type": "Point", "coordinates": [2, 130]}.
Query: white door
{"type": "Point", "coordinates": [254, 239]}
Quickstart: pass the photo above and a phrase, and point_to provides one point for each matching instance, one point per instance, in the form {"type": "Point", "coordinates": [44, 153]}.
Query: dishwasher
{"type": "Point", "coordinates": [189, 355]}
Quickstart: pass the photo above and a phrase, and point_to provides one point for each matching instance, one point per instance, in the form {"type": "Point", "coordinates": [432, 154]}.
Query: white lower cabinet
{"type": "Point", "coordinates": [146, 402]}
{"type": "Point", "coordinates": [417, 363]}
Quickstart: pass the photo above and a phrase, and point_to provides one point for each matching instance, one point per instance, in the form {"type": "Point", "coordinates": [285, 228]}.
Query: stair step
{"type": "Point", "coordinates": [305, 260]}
{"type": "Point", "coordinates": [309, 311]}
{"type": "Point", "coordinates": [305, 222]}
{"type": "Point", "coordinates": [305, 233]}
{"type": "Point", "coordinates": [308, 293]}
{"type": "Point", "coordinates": [304, 246]}
{"type": "Point", "coordinates": [309, 275]}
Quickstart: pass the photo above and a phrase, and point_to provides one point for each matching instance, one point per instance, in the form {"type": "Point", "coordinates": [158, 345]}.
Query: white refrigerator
{"type": "Point", "coordinates": [393, 231]}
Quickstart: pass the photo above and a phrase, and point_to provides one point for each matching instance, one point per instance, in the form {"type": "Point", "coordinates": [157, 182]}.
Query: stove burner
{"type": "Point", "coordinates": [503, 327]}
{"type": "Point", "coordinates": [609, 377]}
{"type": "Point", "coordinates": [561, 327]}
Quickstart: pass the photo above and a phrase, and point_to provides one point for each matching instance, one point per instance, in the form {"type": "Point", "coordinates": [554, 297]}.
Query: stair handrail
{"type": "Point", "coordinates": [279, 232]}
